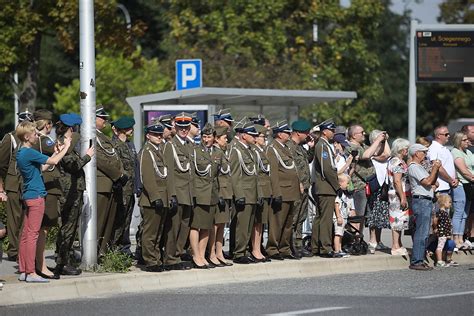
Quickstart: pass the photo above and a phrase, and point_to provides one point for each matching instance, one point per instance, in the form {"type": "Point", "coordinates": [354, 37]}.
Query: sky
{"type": "Point", "coordinates": [426, 11]}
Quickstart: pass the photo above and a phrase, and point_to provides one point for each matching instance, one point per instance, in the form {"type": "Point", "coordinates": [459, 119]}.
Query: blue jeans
{"type": "Point", "coordinates": [460, 210]}
{"type": "Point", "coordinates": [422, 216]}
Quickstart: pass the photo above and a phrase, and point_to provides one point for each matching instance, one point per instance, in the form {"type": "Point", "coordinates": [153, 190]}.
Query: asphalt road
{"type": "Point", "coordinates": [447, 291]}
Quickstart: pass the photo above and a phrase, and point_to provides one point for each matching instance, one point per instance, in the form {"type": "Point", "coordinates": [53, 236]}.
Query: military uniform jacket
{"type": "Point", "coordinates": [72, 175]}
{"type": "Point", "coordinates": [109, 165]}
{"type": "Point", "coordinates": [178, 160]}
{"type": "Point", "coordinates": [223, 177]}
{"type": "Point", "coordinates": [154, 175]}
{"type": "Point", "coordinates": [206, 169]}
{"type": "Point", "coordinates": [243, 172]}
{"type": "Point", "coordinates": [264, 184]}
{"type": "Point", "coordinates": [51, 176]}
{"type": "Point", "coordinates": [283, 176]}
{"type": "Point", "coordinates": [325, 172]}
{"type": "Point", "coordinates": [302, 160]}
{"type": "Point", "coordinates": [8, 169]}
{"type": "Point", "coordinates": [128, 155]}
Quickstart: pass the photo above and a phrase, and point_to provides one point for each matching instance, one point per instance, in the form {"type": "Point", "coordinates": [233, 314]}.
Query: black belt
{"type": "Point", "coordinates": [424, 197]}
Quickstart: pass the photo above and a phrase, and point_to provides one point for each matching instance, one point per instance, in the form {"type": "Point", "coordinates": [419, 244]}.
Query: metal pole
{"type": "Point", "coordinates": [16, 101]}
{"type": "Point", "coordinates": [88, 130]}
{"type": "Point", "coordinates": [412, 86]}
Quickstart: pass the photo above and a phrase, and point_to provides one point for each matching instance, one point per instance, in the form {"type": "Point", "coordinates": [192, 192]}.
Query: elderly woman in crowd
{"type": "Point", "coordinates": [378, 203]}
{"type": "Point", "coordinates": [463, 196]}
{"type": "Point", "coordinates": [398, 193]}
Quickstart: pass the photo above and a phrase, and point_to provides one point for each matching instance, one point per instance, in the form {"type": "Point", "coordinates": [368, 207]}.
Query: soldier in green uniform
{"type": "Point", "coordinates": [153, 201]}
{"type": "Point", "coordinates": [302, 158]}
{"type": "Point", "coordinates": [285, 189]}
{"type": "Point", "coordinates": [222, 216]}
{"type": "Point", "coordinates": [178, 159]}
{"type": "Point", "coordinates": [110, 180]}
{"type": "Point", "coordinates": [206, 168]}
{"type": "Point", "coordinates": [325, 188]}
{"type": "Point", "coordinates": [244, 183]}
{"type": "Point", "coordinates": [264, 192]}
{"type": "Point", "coordinates": [123, 131]}
{"type": "Point", "coordinates": [73, 184]}
{"type": "Point", "coordinates": [10, 184]}
{"type": "Point", "coordinates": [223, 118]}
{"type": "Point", "coordinates": [168, 122]}
{"type": "Point", "coordinates": [46, 145]}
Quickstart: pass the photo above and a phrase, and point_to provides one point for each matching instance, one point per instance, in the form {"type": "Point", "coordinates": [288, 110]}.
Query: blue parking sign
{"type": "Point", "coordinates": [188, 74]}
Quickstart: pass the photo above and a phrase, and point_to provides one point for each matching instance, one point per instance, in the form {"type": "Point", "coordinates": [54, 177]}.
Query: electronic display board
{"type": "Point", "coordinates": [445, 56]}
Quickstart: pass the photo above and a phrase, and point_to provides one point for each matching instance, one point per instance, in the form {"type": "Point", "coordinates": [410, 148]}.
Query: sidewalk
{"type": "Point", "coordinates": [93, 285]}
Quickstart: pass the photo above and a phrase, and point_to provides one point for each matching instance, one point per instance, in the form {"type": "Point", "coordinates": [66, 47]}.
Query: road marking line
{"type": "Point", "coordinates": [309, 311]}
{"type": "Point", "coordinates": [442, 295]}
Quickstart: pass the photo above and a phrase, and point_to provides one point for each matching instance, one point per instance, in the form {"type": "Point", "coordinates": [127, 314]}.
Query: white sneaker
{"type": "Point", "coordinates": [372, 247]}
{"type": "Point", "coordinates": [441, 264]}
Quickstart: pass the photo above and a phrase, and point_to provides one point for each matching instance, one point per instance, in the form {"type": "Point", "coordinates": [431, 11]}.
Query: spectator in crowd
{"type": "Point", "coordinates": [469, 131]}
{"type": "Point", "coordinates": [343, 159]}
{"type": "Point", "coordinates": [398, 193]}
{"type": "Point", "coordinates": [30, 164]}
{"type": "Point", "coordinates": [344, 208]}
{"type": "Point", "coordinates": [448, 183]}
{"type": "Point", "coordinates": [364, 168]}
{"type": "Point", "coordinates": [442, 227]}
{"type": "Point", "coordinates": [421, 184]}
{"type": "Point", "coordinates": [464, 163]}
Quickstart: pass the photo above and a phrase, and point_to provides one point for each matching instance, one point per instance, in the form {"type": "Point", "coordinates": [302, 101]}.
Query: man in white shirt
{"type": "Point", "coordinates": [438, 151]}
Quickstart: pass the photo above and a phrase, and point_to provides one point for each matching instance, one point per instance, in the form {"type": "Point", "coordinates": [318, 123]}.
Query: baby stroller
{"type": "Point", "coordinates": [353, 240]}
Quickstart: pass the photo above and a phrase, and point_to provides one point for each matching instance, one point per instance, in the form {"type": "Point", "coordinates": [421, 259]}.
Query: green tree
{"type": "Point", "coordinates": [269, 44]}
{"type": "Point", "coordinates": [117, 77]}
{"type": "Point", "coordinates": [24, 23]}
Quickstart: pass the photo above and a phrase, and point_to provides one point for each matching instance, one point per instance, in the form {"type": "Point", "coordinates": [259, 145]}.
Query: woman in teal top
{"type": "Point", "coordinates": [464, 162]}
{"type": "Point", "coordinates": [31, 162]}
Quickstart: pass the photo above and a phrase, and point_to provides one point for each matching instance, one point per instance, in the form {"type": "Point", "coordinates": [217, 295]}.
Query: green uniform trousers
{"type": "Point", "coordinates": [321, 239]}
{"type": "Point", "coordinates": [123, 218]}
{"type": "Point", "coordinates": [152, 225]}
{"type": "Point", "coordinates": [70, 213]}
{"type": "Point", "coordinates": [15, 214]}
{"type": "Point", "coordinates": [301, 214]}
{"type": "Point", "coordinates": [185, 212]}
{"type": "Point", "coordinates": [172, 230]}
{"type": "Point", "coordinates": [106, 209]}
{"type": "Point", "coordinates": [243, 221]}
{"type": "Point", "coordinates": [280, 223]}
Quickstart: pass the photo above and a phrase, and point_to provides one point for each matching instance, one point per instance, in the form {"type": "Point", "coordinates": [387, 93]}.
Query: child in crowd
{"type": "Point", "coordinates": [442, 228]}
{"type": "Point", "coordinates": [343, 208]}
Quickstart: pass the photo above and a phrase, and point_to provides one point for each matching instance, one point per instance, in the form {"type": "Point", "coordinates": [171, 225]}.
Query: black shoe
{"type": "Point", "coordinates": [276, 256]}
{"type": "Point", "coordinates": [196, 266]}
{"type": "Point", "coordinates": [186, 257]}
{"type": "Point", "coordinates": [225, 263]}
{"type": "Point", "coordinates": [155, 268]}
{"type": "Point", "coordinates": [327, 255]}
{"type": "Point", "coordinates": [228, 255]}
{"type": "Point", "coordinates": [305, 253]}
{"type": "Point", "coordinates": [177, 266]}
{"type": "Point", "coordinates": [46, 276]}
{"type": "Point", "coordinates": [242, 260]}
{"type": "Point", "coordinates": [211, 265]}
{"type": "Point", "coordinates": [291, 257]}
{"type": "Point", "coordinates": [255, 259]}
{"type": "Point", "coordinates": [13, 258]}
{"type": "Point", "coordinates": [267, 259]}
{"type": "Point", "coordinates": [70, 270]}
{"type": "Point", "coordinates": [296, 254]}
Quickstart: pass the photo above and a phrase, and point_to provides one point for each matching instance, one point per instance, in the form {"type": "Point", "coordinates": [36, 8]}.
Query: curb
{"type": "Point", "coordinates": [92, 285]}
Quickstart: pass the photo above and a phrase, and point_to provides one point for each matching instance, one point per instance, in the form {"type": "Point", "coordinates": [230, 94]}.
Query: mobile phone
{"type": "Point", "coordinates": [354, 153]}
{"type": "Point", "coordinates": [90, 143]}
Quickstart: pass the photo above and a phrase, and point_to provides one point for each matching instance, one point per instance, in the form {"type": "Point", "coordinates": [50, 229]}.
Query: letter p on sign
{"type": "Point", "coordinates": [188, 74]}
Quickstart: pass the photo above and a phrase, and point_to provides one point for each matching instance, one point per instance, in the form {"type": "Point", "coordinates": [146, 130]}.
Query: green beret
{"type": "Point", "coordinates": [301, 126]}
{"type": "Point", "coordinates": [124, 122]}
{"type": "Point", "coordinates": [43, 114]}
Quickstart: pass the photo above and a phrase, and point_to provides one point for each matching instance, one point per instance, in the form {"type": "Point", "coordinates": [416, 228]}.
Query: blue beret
{"type": "Point", "coordinates": [124, 122]}
{"type": "Point", "coordinates": [70, 119]}
{"type": "Point", "coordinates": [301, 126]}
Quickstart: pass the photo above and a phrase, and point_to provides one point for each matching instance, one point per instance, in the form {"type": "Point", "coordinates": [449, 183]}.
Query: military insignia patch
{"type": "Point", "coordinates": [325, 155]}
{"type": "Point", "coordinates": [49, 142]}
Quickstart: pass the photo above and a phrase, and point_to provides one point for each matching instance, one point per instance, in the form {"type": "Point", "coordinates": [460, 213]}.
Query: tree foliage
{"type": "Point", "coordinates": [117, 77]}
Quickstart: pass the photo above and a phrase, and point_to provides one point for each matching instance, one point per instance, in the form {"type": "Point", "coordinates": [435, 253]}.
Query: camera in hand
{"type": "Point", "coordinates": [354, 153]}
